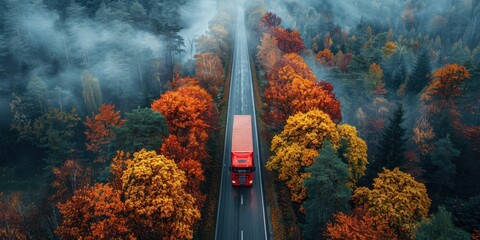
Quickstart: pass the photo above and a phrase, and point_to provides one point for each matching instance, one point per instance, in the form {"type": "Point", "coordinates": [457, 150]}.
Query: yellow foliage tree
{"type": "Point", "coordinates": [396, 196]}
{"type": "Point", "coordinates": [356, 153]}
{"type": "Point", "coordinates": [375, 75]}
{"type": "Point", "coordinates": [389, 48]}
{"type": "Point", "coordinates": [297, 145]}
{"type": "Point", "coordinates": [155, 195]}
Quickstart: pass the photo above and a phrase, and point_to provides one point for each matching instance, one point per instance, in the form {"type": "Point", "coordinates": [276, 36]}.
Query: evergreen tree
{"type": "Point", "coordinates": [391, 149]}
{"type": "Point", "coordinates": [440, 167]}
{"type": "Point", "coordinates": [327, 191]}
{"type": "Point", "coordinates": [420, 76]}
{"type": "Point", "coordinates": [144, 128]}
{"type": "Point", "coordinates": [440, 227]}
{"type": "Point", "coordinates": [399, 74]}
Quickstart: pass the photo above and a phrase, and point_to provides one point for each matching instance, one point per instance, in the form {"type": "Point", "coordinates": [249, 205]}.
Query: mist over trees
{"type": "Point", "coordinates": [376, 102]}
{"type": "Point", "coordinates": [77, 83]}
{"type": "Point", "coordinates": [405, 74]}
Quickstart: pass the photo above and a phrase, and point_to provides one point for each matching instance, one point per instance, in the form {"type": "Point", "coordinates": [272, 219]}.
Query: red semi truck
{"type": "Point", "coordinates": [242, 165]}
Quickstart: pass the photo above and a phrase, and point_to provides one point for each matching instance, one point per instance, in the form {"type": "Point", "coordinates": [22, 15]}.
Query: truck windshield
{"type": "Point", "coordinates": [242, 170]}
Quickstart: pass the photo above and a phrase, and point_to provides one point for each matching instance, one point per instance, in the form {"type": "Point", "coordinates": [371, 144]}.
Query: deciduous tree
{"type": "Point", "coordinates": [70, 177]}
{"type": "Point", "coordinates": [92, 94]}
{"type": "Point", "coordinates": [95, 212]}
{"type": "Point", "coordinates": [100, 130]}
{"type": "Point", "coordinates": [395, 196]}
{"type": "Point", "coordinates": [297, 145]}
{"type": "Point", "coordinates": [12, 224]}
{"type": "Point", "coordinates": [209, 72]}
{"type": "Point", "coordinates": [288, 41]}
{"type": "Point", "coordinates": [356, 153]}
{"type": "Point", "coordinates": [359, 225]}
{"type": "Point", "coordinates": [326, 58]}
{"type": "Point", "coordinates": [441, 95]}
{"type": "Point", "coordinates": [268, 52]}
{"type": "Point", "coordinates": [154, 190]}
{"type": "Point", "coordinates": [292, 88]}
{"type": "Point", "coordinates": [269, 21]}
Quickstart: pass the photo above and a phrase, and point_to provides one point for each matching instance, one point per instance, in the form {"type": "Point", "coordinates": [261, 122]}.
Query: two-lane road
{"type": "Point", "coordinates": [241, 211]}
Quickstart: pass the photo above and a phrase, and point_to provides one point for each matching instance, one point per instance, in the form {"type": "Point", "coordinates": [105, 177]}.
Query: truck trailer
{"type": "Point", "coordinates": [242, 162]}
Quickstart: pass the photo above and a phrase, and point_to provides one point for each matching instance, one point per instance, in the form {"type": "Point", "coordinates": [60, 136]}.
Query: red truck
{"type": "Point", "coordinates": [242, 165]}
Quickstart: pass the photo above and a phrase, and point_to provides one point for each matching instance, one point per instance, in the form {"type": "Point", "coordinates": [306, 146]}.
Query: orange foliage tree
{"type": "Point", "coordinates": [95, 212]}
{"type": "Point", "coordinates": [396, 196]}
{"type": "Point", "coordinates": [359, 225]}
{"type": "Point", "coordinates": [268, 52]}
{"type": "Point", "coordinates": [326, 58]}
{"type": "Point", "coordinates": [191, 115]}
{"type": "Point", "coordinates": [155, 196]}
{"type": "Point", "coordinates": [209, 72]}
{"type": "Point", "coordinates": [288, 41]}
{"type": "Point", "coordinates": [292, 88]}
{"type": "Point", "coordinates": [100, 130]}
{"type": "Point", "coordinates": [11, 217]}
{"type": "Point", "coordinates": [70, 177]}
{"type": "Point", "coordinates": [441, 94]}
{"type": "Point", "coordinates": [179, 82]}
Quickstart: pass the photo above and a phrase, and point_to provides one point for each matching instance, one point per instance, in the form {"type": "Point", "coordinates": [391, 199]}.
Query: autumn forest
{"type": "Point", "coordinates": [113, 117]}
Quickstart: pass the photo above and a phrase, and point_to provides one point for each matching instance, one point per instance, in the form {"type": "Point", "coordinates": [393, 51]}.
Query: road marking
{"type": "Point", "coordinates": [241, 200]}
{"type": "Point", "coordinates": [241, 235]}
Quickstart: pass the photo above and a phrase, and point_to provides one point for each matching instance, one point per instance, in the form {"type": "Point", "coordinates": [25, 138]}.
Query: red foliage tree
{"type": "Point", "coordinates": [288, 41]}
{"type": "Point", "coordinates": [269, 20]}
{"type": "Point", "coordinates": [100, 130]}
{"type": "Point", "coordinates": [70, 177]}
{"type": "Point", "coordinates": [292, 88]}
{"type": "Point", "coordinates": [11, 217]}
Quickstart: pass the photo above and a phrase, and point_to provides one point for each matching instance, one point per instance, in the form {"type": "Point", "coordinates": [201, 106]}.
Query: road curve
{"type": "Point", "coordinates": [241, 212]}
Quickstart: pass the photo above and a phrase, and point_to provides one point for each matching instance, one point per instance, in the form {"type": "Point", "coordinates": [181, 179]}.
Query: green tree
{"type": "Point", "coordinates": [440, 167]}
{"type": "Point", "coordinates": [440, 227]}
{"type": "Point", "coordinates": [55, 132]}
{"type": "Point", "coordinates": [391, 149]}
{"type": "Point", "coordinates": [36, 92]}
{"type": "Point", "coordinates": [327, 191]}
{"type": "Point", "coordinates": [420, 76]}
{"type": "Point", "coordinates": [143, 128]}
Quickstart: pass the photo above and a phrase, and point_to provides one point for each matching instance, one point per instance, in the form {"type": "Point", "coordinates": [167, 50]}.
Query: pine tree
{"type": "Point", "coordinates": [144, 128]}
{"type": "Point", "coordinates": [420, 76]}
{"type": "Point", "coordinates": [440, 167]}
{"type": "Point", "coordinates": [327, 191]}
{"type": "Point", "coordinates": [391, 149]}
{"type": "Point", "coordinates": [440, 226]}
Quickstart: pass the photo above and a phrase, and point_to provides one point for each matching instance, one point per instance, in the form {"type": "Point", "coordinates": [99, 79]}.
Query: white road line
{"type": "Point", "coordinates": [256, 136]}
{"type": "Point", "coordinates": [241, 235]}
{"type": "Point", "coordinates": [241, 200]}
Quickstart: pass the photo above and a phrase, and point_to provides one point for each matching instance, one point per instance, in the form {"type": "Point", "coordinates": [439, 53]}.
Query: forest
{"type": "Point", "coordinates": [113, 117]}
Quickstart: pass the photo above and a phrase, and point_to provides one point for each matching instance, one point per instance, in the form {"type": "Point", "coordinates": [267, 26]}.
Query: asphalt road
{"type": "Point", "coordinates": [241, 210]}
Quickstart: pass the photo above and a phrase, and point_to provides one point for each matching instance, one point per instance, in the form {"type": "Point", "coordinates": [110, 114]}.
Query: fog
{"type": "Point", "coordinates": [116, 50]}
